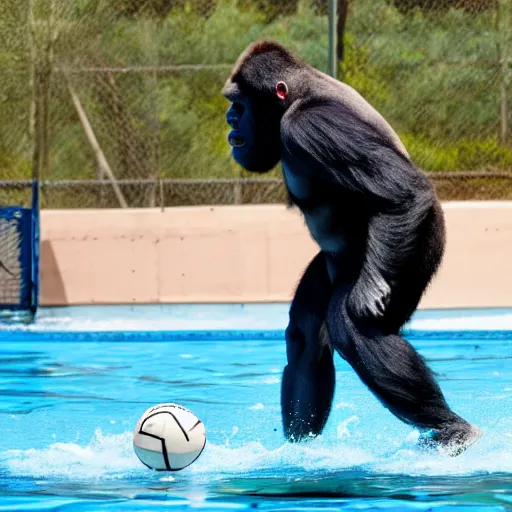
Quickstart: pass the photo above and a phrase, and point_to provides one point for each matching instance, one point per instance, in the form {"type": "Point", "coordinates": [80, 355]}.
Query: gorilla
{"type": "Point", "coordinates": [381, 234]}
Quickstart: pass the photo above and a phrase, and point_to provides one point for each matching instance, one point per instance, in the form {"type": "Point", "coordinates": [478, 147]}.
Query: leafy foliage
{"type": "Point", "coordinates": [434, 74]}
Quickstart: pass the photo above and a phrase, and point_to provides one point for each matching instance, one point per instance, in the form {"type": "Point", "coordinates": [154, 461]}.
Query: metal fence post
{"type": "Point", "coordinates": [503, 8]}
{"type": "Point", "coordinates": [333, 36]}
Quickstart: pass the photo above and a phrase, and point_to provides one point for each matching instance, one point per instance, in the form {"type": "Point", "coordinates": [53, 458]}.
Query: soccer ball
{"type": "Point", "coordinates": [168, 437]}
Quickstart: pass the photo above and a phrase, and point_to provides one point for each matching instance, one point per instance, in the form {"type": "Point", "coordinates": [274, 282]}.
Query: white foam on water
{"type": "Point", "coordinates": [109, 456]}
{"type": "Point", "coordinates": [466, 323]}
{"type": "Point", "coordinates": [271, 380]}
{"type": "Point", "coordinates": [156, 318]}
{"type": "Point", "coordinates": [106, 455]}
{"type": "Point", "coordinates": [70, 324]}
{"type": "Point", "coordinates": [343, 430]}
{"type": "Point", "coordinates": [343, 405]}
{"type": "Point", "coordinates": [230, 317]}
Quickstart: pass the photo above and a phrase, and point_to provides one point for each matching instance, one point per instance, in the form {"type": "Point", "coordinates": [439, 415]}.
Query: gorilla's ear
{"type": "Point", "coordinates": [282, 90]}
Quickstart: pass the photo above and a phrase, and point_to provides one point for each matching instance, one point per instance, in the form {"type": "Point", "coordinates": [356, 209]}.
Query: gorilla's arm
{"type": "Point", "coordinates": [337, 145]}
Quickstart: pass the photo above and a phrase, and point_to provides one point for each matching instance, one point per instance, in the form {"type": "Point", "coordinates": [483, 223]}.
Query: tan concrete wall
{"type": "Point", "coordinates": [243, 254]}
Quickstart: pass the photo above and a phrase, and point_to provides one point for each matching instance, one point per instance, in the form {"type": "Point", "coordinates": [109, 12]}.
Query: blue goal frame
{"type": "Point", "coordinates": [27, 221]}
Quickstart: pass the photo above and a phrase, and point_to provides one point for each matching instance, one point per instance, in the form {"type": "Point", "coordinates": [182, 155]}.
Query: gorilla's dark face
{"type": "Point", "coordinates": [255, 136]}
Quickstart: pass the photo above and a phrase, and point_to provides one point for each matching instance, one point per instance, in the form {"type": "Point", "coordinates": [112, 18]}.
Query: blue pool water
{"type": "Point", "coordinates": [73, 385]}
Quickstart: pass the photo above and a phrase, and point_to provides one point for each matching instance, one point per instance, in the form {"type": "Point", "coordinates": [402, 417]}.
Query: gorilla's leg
{"type": "Point", "coordinates": [397, 375]}
{"type": "Point", "coordinates": [309, 377]}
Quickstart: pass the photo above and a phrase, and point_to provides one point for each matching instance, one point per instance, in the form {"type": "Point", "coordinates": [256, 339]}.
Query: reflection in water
{"type": "Point", "coordinates": [361, 484]}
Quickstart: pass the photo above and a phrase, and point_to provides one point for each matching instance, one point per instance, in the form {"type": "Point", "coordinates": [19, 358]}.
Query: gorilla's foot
{"type": "Point", "coordinates": [453, 439]}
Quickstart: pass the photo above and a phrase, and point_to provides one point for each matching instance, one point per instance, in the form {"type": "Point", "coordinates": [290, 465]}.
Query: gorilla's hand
{"type": "Point", "coordinates": [370, 295]}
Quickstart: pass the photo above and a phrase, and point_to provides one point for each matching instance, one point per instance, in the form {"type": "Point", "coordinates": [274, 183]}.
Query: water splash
{"type": "Point", "coordinates": [111, 456]}
{"type": "Point", "coordinates": [105, 456]}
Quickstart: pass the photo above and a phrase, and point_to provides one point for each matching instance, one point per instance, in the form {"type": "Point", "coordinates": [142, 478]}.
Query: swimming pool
{"type": "Point", "coordinates": [73, 385]}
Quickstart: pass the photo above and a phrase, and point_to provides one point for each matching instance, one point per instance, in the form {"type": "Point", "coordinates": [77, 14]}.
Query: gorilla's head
{"type": "Point", "coordinates": [259, 94]}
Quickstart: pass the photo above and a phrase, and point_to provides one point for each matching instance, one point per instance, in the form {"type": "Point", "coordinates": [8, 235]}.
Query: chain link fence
{"type": "Point", "coordinates": [450, 186]}
{"type": "Point", "coordinates": [16, 103]}
{"type": "Point", "coordinates": [116, 103]}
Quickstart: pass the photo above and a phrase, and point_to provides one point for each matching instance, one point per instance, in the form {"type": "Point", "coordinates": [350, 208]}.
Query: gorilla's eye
{"type": "Point", "coordinates": [234, 115]}
{"type": "Point", "coordinates": [238, 108]}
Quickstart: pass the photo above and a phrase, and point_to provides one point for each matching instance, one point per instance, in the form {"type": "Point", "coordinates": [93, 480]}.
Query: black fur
{"type": "Point", "coordinates": [309, 377]}
{"type": "Point", "coordinates": [380, 229]}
